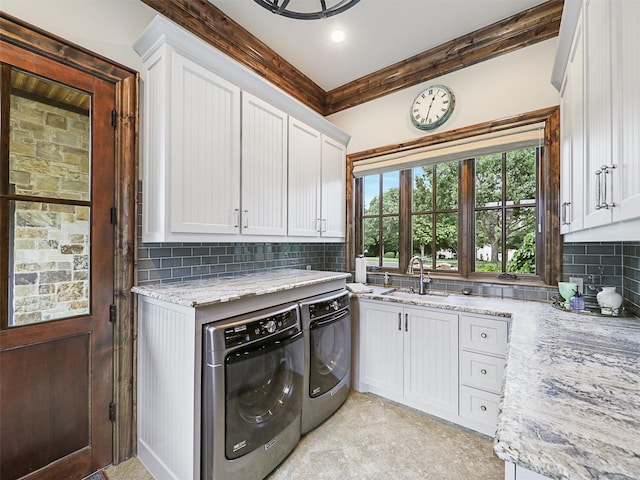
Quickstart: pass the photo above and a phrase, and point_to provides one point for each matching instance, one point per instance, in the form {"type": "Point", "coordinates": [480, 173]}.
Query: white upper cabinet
{"type": "Point", "coordinates": [191, 150]}
{"type": "Point", "coordinates": [572, 139]}
{"type": "Point", "coordinates": [598, 96]}
{"type": "Point", "coordinates": [597, 70]}
{"type": "Point", "coordinates": [305, 144]}
{"type": "Point", "coordinates": [264, 168]}
{"type": "Point", "coordinates": [317, 179]}
{"type": "Point", "coordinates": [626, 116]}
{"type": "Point", "coordinates": [333, 188]}
{"type": "Point", "coordinates": [217, 161]}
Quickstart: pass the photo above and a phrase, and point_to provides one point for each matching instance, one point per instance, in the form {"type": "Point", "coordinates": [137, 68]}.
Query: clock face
{"type": "Point", "coordinates": [432, 107]}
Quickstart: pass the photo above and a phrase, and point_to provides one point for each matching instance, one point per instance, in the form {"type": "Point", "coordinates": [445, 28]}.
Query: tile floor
{"type": "Point", "coordinates": [371, 438]}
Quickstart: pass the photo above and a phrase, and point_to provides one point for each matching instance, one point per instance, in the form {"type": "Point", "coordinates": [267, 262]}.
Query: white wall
{"type": "Point", "coordinates": [106, 27]}
{"type": "Point", "coordinates": [508, 85]}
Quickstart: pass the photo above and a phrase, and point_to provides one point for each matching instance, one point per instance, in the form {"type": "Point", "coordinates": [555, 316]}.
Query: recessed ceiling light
{"type": "Point", "coordinates": [337, 36]}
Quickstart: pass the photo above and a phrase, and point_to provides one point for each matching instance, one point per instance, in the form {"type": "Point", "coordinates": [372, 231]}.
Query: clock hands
{"type": "Point", "coordinates": [432, 100]}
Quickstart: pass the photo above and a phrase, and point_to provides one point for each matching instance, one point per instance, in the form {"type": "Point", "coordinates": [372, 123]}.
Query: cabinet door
{"type": "Point", "coordinates": [333, 188]}
{"type": "Point", "coordinates": [626, 96]}
{"type": "Point", "coordinates": [264, 168]}
{"type": "Point", "coordinates": [204, 174]}
{"type": "Point", "coordinates": [431, 358]}
{"type": "Point", "coordinates": [573, 138]}
{"type": "Point", "coordinates": [598, 114]}
{"type": "Point", "coordinates": [381, 348]}
{"type": "Point", "coordinates": [304, 179]}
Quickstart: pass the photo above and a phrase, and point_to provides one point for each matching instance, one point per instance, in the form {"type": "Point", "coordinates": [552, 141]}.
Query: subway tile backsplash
{"type": "Point", "coordinates": [606, 263]}
{"type": "Point", "coordinates": [180, 262]}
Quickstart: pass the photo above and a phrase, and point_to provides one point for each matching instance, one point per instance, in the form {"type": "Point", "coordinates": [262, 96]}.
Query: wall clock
{"type": "Point", "coordinates": [432, 107]}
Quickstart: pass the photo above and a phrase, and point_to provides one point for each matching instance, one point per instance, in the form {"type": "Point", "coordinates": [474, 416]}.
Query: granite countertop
{"type": "Point", "coordinates": [570, 406]}
{"type": "Point", "coordinates": [200, 293]}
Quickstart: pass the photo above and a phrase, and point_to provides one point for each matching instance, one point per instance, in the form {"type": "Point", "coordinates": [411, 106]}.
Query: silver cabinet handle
{"type": "Point", "coordinates": [483, 335]}
{"type": "Point", "coordinates": [319, 225]}
{"type": "Point", "coordinates": [406, 322]}
{"type": "Point", "coordinates": [483, 408]}
{"type": "Point", "coordinates": [598, 189]}
{"type": "Point", "coordinates": [399, 322]}
{"type": "Point", "coordinates": [245, 215]}
{"type": "Point", "coordinates": [565, 209]}
{"type": "Point", "coordinates": [236, 214]}
{"type": "Point", "coordinates": [483, 371]}
{"type": "Point", "coordinates": [602, 187]}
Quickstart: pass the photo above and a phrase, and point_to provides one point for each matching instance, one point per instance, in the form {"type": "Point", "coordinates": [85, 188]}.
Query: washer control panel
{"type": "Point", "coordinates": [329, 306]}
{"type": "Point", "coordinates": [264, 327]}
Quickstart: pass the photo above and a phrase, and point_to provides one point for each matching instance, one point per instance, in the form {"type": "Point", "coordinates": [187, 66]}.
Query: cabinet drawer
{"type": "Point", "coordinates": [479, 406]}
{"type": "Point", "coordinates": [481, 371]}
{"type": "Point", "coordinates": [483, 335]}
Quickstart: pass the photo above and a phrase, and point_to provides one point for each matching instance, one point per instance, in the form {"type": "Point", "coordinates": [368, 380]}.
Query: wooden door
{"type": "Point", "coordinates": [56, 268]}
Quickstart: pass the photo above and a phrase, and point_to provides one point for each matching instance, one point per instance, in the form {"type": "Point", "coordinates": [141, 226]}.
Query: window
{"type": "Point", "coordinates": [474, 209]}
{"type": "Point", "coordinates": [381, 219]}
{"type": "Point", "coordinates": [505, 211]}
{"type": "Point", "coordinates": [503, 206]}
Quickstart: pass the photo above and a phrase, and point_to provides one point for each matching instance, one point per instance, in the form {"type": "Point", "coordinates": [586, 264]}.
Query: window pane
{"type": "Point", "coordinates": [371, 192]}
{"type": "Point", "coordinates": [49, 139]}
{"type": "Point", "coordinates": [521, 240]}
{"type": "Point", "coordinates": [447, 241]}
{"type": "Point", "coordinates": [371, 232]}
{"type": "Point", "coordinates": [521, 176]}
{"type": "Point", "coordinates": [489, 180]}
{"type": "Point", "coordinates": [423, 189]}
{"type": "Point", "coordinates": [447, 186]}
{"type": "Point", "coordinates": [422, 227]}
{"type": "Point", "coordinates": [49, 261]}
{"type": "Point", "coordinates": [391, 192]}
{"type": "Point", "coordinates": [391, 236]}
{"type": "Point", "coordinates": [488, 241]}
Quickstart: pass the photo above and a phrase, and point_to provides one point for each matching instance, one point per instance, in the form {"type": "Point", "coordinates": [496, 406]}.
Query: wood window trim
{"type": "Point", "coordinates": [550, 253]}
{"type": "Point", "coordinates": [30, 38]}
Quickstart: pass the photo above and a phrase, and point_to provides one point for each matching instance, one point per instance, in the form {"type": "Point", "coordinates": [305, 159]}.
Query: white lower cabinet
{"type": "Point", "coordinates": [439, 362]}
{"type": "Point", "coordinates": [410, 355]}
{"type": "Point", "coordinates": [516, 472]}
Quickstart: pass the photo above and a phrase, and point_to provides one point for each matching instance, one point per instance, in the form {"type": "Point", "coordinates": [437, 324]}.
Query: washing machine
{"type": "Point", "coordinates": [253, 376]}
{"type": "Point", "coordinates": [326, 322]}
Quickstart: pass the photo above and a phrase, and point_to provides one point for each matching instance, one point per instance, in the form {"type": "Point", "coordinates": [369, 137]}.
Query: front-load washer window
{"type": "Point", "coordinates": [263, 393]}
{"type": "Point", "coordinates": [329, 353]}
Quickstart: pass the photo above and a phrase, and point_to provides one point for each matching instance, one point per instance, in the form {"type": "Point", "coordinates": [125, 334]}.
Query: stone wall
{"type": "Point", "coordinates": [50, 243]}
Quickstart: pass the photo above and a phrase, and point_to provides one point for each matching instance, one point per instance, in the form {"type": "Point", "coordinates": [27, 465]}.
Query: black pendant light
{"type": "Point", "coordinates": [285, 8]}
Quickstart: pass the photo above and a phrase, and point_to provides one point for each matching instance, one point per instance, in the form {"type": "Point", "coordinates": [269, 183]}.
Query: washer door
{"type": "Point", "coordinates": [330, 353]}
{"type": "Point", "coordinates": [263, 393]}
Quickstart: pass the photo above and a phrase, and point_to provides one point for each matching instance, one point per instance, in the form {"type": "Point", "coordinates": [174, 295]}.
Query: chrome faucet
{"type": "Point", "coordinates": [421, 290]}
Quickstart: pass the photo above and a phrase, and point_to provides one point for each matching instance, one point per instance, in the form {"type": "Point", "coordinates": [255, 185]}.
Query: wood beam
{"type": "Point", "coordinates": [207, 22]}
{"type": "Point", "coordinates": [521, 30]}
{"type": "Point", "coordinates": [210, 24]}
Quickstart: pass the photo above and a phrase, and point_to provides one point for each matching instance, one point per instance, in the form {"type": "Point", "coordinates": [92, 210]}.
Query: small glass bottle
{"type": "Point", "coordinates": [576, 302]}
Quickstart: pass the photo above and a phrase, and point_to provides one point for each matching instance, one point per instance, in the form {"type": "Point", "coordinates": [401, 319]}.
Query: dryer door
{"type": "Point", "coordinates": [263, 393]}
{"type": "Point", "coordinates": [330, 353]}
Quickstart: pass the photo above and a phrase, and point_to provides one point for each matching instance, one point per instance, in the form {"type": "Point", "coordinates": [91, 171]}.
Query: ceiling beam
{"type": "Point", "coordinates": [521, 30]}
{"type": "Point", "coordinates": [211, 25]}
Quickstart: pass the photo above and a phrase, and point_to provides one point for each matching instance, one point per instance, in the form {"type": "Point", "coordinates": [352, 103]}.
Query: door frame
{"type": "Point", "coordinates": [28, 37]}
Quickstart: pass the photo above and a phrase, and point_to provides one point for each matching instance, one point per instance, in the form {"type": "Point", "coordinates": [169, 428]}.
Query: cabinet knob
{"type": "Point", "coordinates": [483, 371]}
{"type": "Point", "coordinates": [483, 335]}
{"type": "Point", "coordinates": [483, 408]}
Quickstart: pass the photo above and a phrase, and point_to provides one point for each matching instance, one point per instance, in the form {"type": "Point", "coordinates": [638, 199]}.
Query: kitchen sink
{"type": "Point", "coordinates": [407, 294]}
